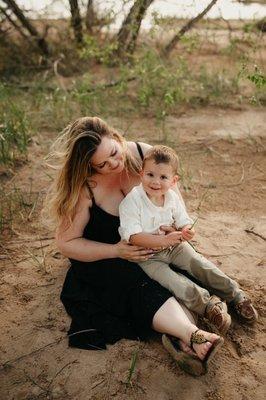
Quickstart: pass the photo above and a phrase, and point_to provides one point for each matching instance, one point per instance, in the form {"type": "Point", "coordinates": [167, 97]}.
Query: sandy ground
{"type": "Point", "coordinates": [223, 172]}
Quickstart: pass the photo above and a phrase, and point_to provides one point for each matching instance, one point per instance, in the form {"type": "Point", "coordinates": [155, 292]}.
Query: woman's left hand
{"type": "Point", "coordinates": [132, 253]}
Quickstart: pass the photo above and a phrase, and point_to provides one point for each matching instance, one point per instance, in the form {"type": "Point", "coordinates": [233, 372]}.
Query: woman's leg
{"type": "Point", "coordinates": [193, 318]}
{"type": "Point", "coordinates": [173, 320]}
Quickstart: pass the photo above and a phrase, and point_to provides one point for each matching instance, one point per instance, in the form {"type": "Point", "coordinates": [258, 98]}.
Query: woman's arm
{"type": "Point", "coordinates": [70, 241]}
{"type": "Point", "coordinates": [72, 245]}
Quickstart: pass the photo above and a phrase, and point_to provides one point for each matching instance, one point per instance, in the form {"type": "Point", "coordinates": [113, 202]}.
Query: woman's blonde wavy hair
{"type": "Point", "coordinates": [72, 152]}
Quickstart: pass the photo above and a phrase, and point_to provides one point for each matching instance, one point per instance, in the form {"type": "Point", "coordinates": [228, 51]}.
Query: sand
{"type": "Point", "coordinates": [223, 161]}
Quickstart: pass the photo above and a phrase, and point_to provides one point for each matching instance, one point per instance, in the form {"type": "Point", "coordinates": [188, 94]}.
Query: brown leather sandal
{"type": "Point", "coordinates": [217, 315]}
{"type": "Point", "coordinates": [245, 309]}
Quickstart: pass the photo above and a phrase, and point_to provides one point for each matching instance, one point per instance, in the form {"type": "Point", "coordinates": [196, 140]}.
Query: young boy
{"type": "Point", "coordinates": [154, 203]}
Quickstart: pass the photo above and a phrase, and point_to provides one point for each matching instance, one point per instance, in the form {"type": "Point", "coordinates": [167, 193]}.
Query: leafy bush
{"type": "Point", "coordinates": [14, 129]}
{"type": "Point", "coordinates": [93, 50]}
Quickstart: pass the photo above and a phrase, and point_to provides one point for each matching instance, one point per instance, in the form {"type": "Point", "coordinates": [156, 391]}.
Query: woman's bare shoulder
{"type": "Point", "coordinates": [134, 150]}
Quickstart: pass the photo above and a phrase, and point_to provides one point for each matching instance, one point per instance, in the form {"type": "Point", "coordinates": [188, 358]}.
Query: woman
{"type": "Point", "coordinates": [105, 292]}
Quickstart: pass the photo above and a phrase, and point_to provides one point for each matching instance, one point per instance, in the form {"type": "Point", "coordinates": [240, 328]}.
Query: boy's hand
{"type": "Point", "coordinates": [167, 229]}
{"type": "Point", "coordinates": [187, 232]}
{"type": "Point", "coordinates": [172, 238]}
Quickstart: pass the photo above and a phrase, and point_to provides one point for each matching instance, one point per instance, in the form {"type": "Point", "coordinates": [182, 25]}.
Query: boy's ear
{"type": "Point", "coordinates": [175, 179]}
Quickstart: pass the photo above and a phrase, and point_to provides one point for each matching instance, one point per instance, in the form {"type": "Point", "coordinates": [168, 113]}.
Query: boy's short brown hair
{"type": "Point", "coordinates": [162, 154]}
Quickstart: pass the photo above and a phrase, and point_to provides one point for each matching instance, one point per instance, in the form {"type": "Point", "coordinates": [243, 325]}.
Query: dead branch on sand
{"type": "Point", "coordinates": [255, 233]}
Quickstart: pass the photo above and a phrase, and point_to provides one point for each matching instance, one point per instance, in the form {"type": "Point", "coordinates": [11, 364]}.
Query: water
{"type": "Point", "coordinates": [227, 9]}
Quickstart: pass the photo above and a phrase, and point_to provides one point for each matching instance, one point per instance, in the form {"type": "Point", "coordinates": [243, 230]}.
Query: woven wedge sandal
{"type": "Point", "coordinates": [198, 338]}
{"type": "Point", "coordinates": [191, 364]}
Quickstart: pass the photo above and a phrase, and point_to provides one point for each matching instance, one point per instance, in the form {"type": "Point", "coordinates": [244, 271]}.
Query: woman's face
{"type": "Point", "coordinates": [109, 157]}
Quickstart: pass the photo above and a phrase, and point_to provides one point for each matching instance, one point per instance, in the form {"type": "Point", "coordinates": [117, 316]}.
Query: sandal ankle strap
{"type": "Point", "coordinates": [197, 338]}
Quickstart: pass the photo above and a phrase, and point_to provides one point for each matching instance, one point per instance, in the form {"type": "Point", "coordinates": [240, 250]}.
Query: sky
{"type": "Point", "coordinates": [228, 9]}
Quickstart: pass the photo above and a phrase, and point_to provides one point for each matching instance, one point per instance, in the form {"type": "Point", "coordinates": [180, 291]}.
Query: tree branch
{"type": "Point", "coordinates": [171, 45]}
{"type": "Point", "coordinates": [16, 26]}
{"type": "Point", "coordinates": [12, 5]}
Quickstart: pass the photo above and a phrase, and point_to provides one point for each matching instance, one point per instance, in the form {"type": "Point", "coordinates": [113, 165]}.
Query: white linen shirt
{"type": "Point", "coordinates": [138, 213]}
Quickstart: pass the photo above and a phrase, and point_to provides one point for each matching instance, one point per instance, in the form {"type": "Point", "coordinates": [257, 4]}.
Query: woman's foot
{"type": "Point", "coordinates": [205, 344]}
{"type": "Point", "coordinates": [184, 356]}
{"type": "Point", "coordinates": [185, 348]}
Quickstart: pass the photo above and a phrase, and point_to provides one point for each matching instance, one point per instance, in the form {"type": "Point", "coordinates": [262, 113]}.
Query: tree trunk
{"type": "Point", "coordinates": [16, 26]}
{"type": "Point", "coordinates": [90, 16]}
{"type": "Point", "coordinates": [12, 5]}
{"type": "Point", "coordinates": [171, 45]}
{"type": "Point", "coordinates": [76, 20]}
{"type": "Point", "coordinates": [129, 30]}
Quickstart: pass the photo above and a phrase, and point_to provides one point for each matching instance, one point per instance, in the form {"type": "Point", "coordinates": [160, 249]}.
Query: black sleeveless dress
{"type": "Point", "coordinates": [109, 299]}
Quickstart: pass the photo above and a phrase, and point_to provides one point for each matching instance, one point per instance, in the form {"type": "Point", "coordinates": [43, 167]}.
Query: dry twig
{"type": "Point", "coordinates": [10, 362]}
{"type": "Point", "coordinates": [59, 372]}
{"type": "Point", "coordinates": [255, 233]}
{"type": "Point", "coordinates": [58, 76]}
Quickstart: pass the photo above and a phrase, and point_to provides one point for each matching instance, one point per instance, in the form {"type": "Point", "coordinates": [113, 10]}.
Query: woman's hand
{"type": "Point", "coordinates": [187, 232]}
{"type": "Point", "coordinates": [132, 253]}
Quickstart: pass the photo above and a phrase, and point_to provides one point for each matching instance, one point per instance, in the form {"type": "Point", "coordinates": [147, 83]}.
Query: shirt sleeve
{"type": "Point", "coordinates": [129, 213]}
{"type": "Point", "coordinates": [180, 214]}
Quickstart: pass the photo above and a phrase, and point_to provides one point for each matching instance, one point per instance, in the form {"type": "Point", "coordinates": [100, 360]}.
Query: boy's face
{"type": "Point", "coordinates": [157, 179]}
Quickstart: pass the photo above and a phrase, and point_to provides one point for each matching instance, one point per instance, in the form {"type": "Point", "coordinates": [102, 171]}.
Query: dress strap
{"type": "Point", "coordinates": [140, 150]}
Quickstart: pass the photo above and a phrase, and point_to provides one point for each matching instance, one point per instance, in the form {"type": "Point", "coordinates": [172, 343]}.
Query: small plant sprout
{"type": "Point", "coordinates": [132, 366]}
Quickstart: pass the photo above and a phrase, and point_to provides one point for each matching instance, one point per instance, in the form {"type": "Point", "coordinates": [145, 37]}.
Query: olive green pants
{"type": "Point", "coordinates": [185, 258]}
